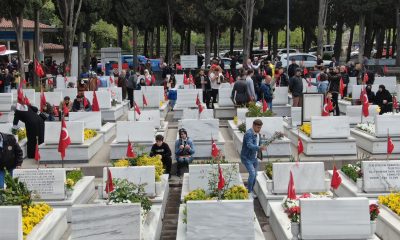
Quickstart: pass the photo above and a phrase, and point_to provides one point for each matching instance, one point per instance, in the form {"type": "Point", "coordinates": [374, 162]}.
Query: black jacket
{"type": "Point", "coordinates": [76, 106]}
{"type": "Point", "coordinates": [197, 82]}
{"type": "Point", "coordinates": [163, 150]}
{"type": "Point", "coordinates": [334, 83]}
{"type": "Point", "coordinates": [292, 69]}
{"type": "Point", "coordinates": [11, 153]}
{"type": "Point", "coordinates": [240, 89]}
{"type": "Point", "coordinates": [296, 86]}
{"type": "Point", "coordinates": [384, 95]}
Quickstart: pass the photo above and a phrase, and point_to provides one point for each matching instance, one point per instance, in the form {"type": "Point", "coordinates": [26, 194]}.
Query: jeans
{"type": "Point", "coordinates": [182, 161]}
{"type": "Point", "coordinates": [172, 103]}
{"type": "Point", "coordinates": [2, 175]}
{"type": "Point", "coordinates": [7, 89]}
{"type": "Point", "coordinates": [251, 166]}
{"type": "Point", "coordinates": [335, 102]}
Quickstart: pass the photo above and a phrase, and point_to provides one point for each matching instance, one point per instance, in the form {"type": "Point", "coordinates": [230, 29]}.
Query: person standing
{"type": "Point", "coordinates": [334, 85]}
{"type": "Point", "coordinates": [215, 73]}
{"type": "Point", "coordinates": [248, 155]}
{"type": "Point", "coordinates": [184, 150]}
{"type": "Point", "coordinates": [267, 92]}
{"type": "Point", "coordinates": [10, 155]}
{"type": "Point", "coordinates": [8, 79]}
{"type": "Point", "coordinates": [296, 88]}
{"type": "Point", "coordinates": [162, 148]}
{"type": "Point", "coordinates": [122, 83]}
{"type": "Point", "coordinates": [250, 85]}
{"type": "Point", "coordinates": [130, 86]}
{"type": "Point", "coordinates": [292, 68]}
{"type": "Point", "coordinates": [239, 91]}
{"type": "Point", "coordinates": [346, 79]}
{"type": "Point", "coordinates": [203, 82]}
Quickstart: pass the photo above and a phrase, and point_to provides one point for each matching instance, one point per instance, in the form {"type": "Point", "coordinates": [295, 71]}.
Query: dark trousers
{"type": "Point", "coordinates": [335, 97]}
{"type": "Point", "coordinates": [214, 94]}
{"type": "Point", "coordinates": [167, 163]}
{"type": "Point", "coordinates": [130, 96]}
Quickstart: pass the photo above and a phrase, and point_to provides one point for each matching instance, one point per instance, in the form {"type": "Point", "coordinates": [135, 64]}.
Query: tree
{"type": "Point", "coordinates": [69, 15]}
{"type": "Point", "coordinates": [322, 13]}
{"type": "Point", "coordinates": [13, 10]}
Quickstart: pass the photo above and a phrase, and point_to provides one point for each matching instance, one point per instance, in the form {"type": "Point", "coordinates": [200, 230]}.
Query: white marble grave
{"type": "Point", "coordinates": [387, 124]}
{"type": "Point", "coordinates": [6, 100]}
{"type": "Point", "coordinates": [186, 98]}
{"type": "Point", "coordinates": [354, 113]}
{"type": "Point", "coordinates": [70, 92]}
{"type": "Point", "coordinates": [11, 222]}
{"type": "Point", "coordinates": [330, 127]}
{"type": "Point", "coordinates": [381, 176]}
{"type": "Point", "coordinates": [116, 93]}
{"type": "Point", "coordinates": [389, 82]}
{"type": "Point", "coordinates": [224, 97]}
{"type": "Point", "coordinates": [194, 114]}
{"type": "Point", "coordinates": [54, 98]}
{"type": "Point", "coordinates": [311, 88]}
{"type": "Point", "coordinates": [269, 127]}
{"type": "Point", "coordinates": [52, 132]}
{"type": "Point", "coordinates": [241, 114]}
{"type": "Point", "coordinates": [103, 98]}
{"type": "Point", "coordinates": [29, 93]}
{"type": "Point", "coordinates": [146, 116]}
{"type": "Point", "coordinates": [312, 106]}
{"type": "Point", "coordinates": [201, 130]}
{"type": "Point", "coordinates": [152, 96]}
{"type": "Point", "coordinates": [92, 120]}
{"type": "Point", "coordinates": [280, 96]}
{"type": "Point", "coordinates": [356, 90]}
{"type": "Point", "coordinates": [139, 131]}
{"type": "Point", "coordinates": [46, 183]}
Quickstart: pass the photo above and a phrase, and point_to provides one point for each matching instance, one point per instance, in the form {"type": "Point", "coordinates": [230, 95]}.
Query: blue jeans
{"type": "Point", "coordinates": [2, 175]}
{"type": "Point", "coordinates": [7, 89]}
{"type": "Point", "coordinates": [186, 160]}
{"type": "Point", "coordinates": [251, 166]}
{"type": "Point", "coordinates": [172, 103]}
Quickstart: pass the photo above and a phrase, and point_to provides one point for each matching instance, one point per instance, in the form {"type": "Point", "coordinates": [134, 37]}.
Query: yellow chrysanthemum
{"type": "Point", "coordinates": [32, 215]}
{"type": "Point", "coordinates": [391, 201]}
{"type": "Point", "coordinates": [306, 128]}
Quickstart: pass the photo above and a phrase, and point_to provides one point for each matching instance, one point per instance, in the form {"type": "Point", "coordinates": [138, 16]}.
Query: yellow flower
{"type": "Point", "coordinates": [121, 163]}
{"type": "Point", "coordinates": [161, 103]}
{"type": "Point", "coordinates": [378, 109]}
{"type": "Point", "coordinates": [89, 133]}
{"type": "Point", "coordinates": [69, 183]}
{"type": "Point", "coordinates": [32, 215]}
{"type": "Point", "coordinates": [306, 128]}
{"type": "Point", "coordinates": [392, 201]}
{"type": "Point", "coordinates": [155, 161]}
{"type": "Point", "coordinates": [235, 120]}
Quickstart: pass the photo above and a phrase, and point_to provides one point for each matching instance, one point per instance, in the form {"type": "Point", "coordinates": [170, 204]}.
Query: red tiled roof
{"type": "Point", "coordinates": [52, 46]}
{"type": "Point", "coordinates": [4, 23]}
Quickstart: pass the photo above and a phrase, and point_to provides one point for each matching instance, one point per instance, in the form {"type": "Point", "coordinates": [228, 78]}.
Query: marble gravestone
{"type": "Point", "coordinates": [241, 114]}
{"type": "Point", "coordinates": [146, 116]}
{"type": "Point", "coordinates": [202, 129]}
{"type": "Point", "coordinates": [113, 222]}
{"type": "Point", "coordinates": [354, 113]}
{"type": "Point", "coordinates": [280, 96]}
{"type": "Point", "coordinates": [381, 176]}
{"type": "Point", "coordinates": [136, 175]}
{"type": "Point", "coordinates": [116, 93]}
{"type": "Point", "coordinates": [46, 183]}
{"type": "Point", "coordinates": [6, 128]}
{"type": "Point", "coordinates": [92, 120]}
{"type": "Point", "coordinates": [387, 124]}
{"type": "Point", "coordinates": [103, 97]}
{"type": "Point", "coordinates": [340, 218]}
{"type": "Point", "coordinates": [52, 132]}
{"type": "Point", "coordinates": [270, 125]}
{"type": "Point", "coordinates": [194, 114]}
{"type": "Point", "coordinates": [54, 98]}
{"type": "Point", "coordinates": [152, 97]}
{"type": "Point", "coordinates": [187, 98]}
{"type": "Point", "coordinates": [296, 116]}
{"type": "Point", "coordinates": [6, 100]}
{"type": "Point", "coordinates": [70, 92]}
{"type": "Point", "coordinates": [179, 80]}
{"type": "Point", "coordinates": [159, 89]}
{"type": "Point", "coordinates": [352, 82]}
{"type": "Point", "coordinates": [200, 173]}
{"type": "Point", "coordinates": [311, 88]}
{"type": "Point", "coordinates": [389, 82]}
{"type": "Point", "coordinates": [330, 127]}
{"type": "Point", "coordinates": [308, 177]}
{"type": "Point", "coordinates": [224, 97]}
{"type": "Point", "coordinates": [61, 79]}
{"type": "Point", "coordinates": [11, 222]}
{"type": "Point", "coordinates": [356, 90]}
{"type": "Point", "coordinates": [139, 131]}
{"type": "Point", "coordinates": [312, 106]}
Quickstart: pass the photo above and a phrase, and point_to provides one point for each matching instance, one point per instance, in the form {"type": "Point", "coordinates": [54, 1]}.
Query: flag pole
{"type": "Point", "coordinates": [387, 146]}
{"type": "Point", "coordinates": [37, 142]}
{"type": "Point", "coordinates": [298, 137]}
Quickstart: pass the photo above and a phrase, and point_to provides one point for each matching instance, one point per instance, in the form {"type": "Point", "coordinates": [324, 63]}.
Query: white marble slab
{"type": "Point", "coordinates": [241, 114]}
{"type": "Point", "coordinates": [224, 97]}
{"type": "Point", "coordinates": [46, 183]}
{"type": "Point", "coordinates": [389, 82]}
{"type": "Point", "coordinates": [70, 92]}
{"type": "Point", "coordinates": [354, 113]}
{"type": "Point", "coordinates": [103, 97]}
{"type": "Point", "coordinates": [136, 175]}
{"type": "Point", "coordinates": [116, 93]}
{"type": "Point", "coordinates": [187, 98]}
{"type": "Point", "coordinates": [330, 127]}
{"type": "Point", "coordinates": [269, 127]}
{"type": "Point", "coordinates": [146, 116]}
{"type": "Point", "coordinates": [179, 79]}
{"type": "Point", "coordinates": [153, 98]}
{"type": "Point", "coordinates": [95, 221]}
{"type": "Point", "coordinates": [280, 96]}
{"type": "Point", "coordinates": [232, 219]}
{"type": "Point", "coordinates": [54, 98]}
{"type": "Point", "coordinates": [381, 176]}
{"type": "Point", "coordinates": [202, 129]}
{"type": "Point", "coordinates": [312, 106]}
{"type": "Point", "coordinates": [92, 120]}
{"type": "Point", "coordinates": [199, 174]}
{"type": "Point", "coordinates": [159, 89]}
{"type": "Point", "coordinates": [6, 100]}
{"type": "Point", "coordinates": [387, 124]}
{"type": "Point", "coordinates": [29, 93]}
{"type": "Point", "coordinates": [60, 79]}
{"type": "Point", "coordinates": [324, 218]}
{"type": "Point", "coordinates": [356, 90]}
{"type": "Point", "coordinates": [139, 131]}
{"type": "Point", "coordinates": [11, 222]}
{"type": "Point", "coordinates": [52, 132]}
{"type": "Point", "coordinates": [308, 177]}
{"type": "Point", "coordinates": [309, 89]}
{"type": "Point", "coordinates": [194, 113]}
{"type": "Point", "coordinates": [6, 128]}
{"type": "Point", "coordinates": [352, 82]}
{"type": "Point", "coordinates": [296, 116]}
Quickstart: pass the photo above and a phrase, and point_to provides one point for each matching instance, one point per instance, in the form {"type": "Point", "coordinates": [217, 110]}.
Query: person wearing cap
{"type": "Point", "coordinates": [248, 155]}
{"type": "Point", "coordinates": [184, 150]}
{"type": "Point", "coordinates": [162, 148]}
{"type": "Point", "coordinates": [79, 104]}
{"type": "Point", "coordinates": [296, 88]}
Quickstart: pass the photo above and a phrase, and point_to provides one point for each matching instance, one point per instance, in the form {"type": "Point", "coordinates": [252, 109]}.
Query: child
{"type": "Point", "coordinates": [172, 96]}
{"type": "Point", "coordinates": [162, 148]}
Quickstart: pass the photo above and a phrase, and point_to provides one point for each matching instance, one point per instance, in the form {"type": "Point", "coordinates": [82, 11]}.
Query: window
{"type": "Point", "coordinates": [311, 58]}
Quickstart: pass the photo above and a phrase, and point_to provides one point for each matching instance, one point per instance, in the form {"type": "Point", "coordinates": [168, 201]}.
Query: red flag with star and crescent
{"type": "Point", "coordinates": [130, 153]}
{"type": "Point", "coordinates": [42, 100]}
{"type": "Point", "coordinates": [395, 103]}
{"type": "Point", "coordinates": [201, 108]}
{"type": "Point", "coordinates": [341, 87]}
{"type": "Point", "coordinates": [144, 100]}
{"type": "Point", "coordinates": [214, 149]}
{"type": "Point", "coordinates": [37, 154]}
{"type": "Point", "coordinates": [136, 107]}
{"type": "Point", "coordinates": [264, 106]}
{"type": "Point", "coordinates": [336, 179]}
{"type": "Point", "coordinates": [300, 147]}
{"type": "Point", "coordinates": [291, 193]}
{"type": "Point", "coordinates": [95, 104]}
{"type": "Point", "coordinates": [365, 103]}
{"type": "Point", "coordinates": [390, 145]}
{"type": "Point", "coordinates": [109, 183]}
{"type": "Point", "coordinates": [64, 141]}
{"type": "Point", "coordinates": [38, 69]}
{"type": "Point", "coordinates": [198, 100]}
{"type": "Point", "coordinates": [221, 179]}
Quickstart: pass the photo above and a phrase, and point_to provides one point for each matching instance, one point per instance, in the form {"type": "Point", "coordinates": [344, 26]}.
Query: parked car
{"type": "Point", "coordinates": [282, 51]}
{"type": "Point", "coordinates": [327, 51]}
{"type": "Point", "coordinates": [307, 59]}
{"type": "Point", "coordinates": [227, 64]}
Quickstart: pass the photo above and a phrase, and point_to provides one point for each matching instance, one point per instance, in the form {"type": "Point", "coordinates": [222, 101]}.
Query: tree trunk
{"type": "Point", "coordinates": [247, 28]}
{"type": "Point", "coordinates": [338, 39]}
{"type": "Point", "coordinates": [350, 44]}
{"type": "Point", "coordinates": [397, 34]}
{"type": "Point", "coordinates": [261, 38]}
{"type": "Point", "coordinates": [158, 42]}
{"type": "Point", "coordinates": [145, 42]}
{"type": "Point", "coordinates": [321, 26]}
{"type": "Point", "coordinates": [269, 42]}
{"type": "Point", "coordinates": [169, 34]}
{"type": "Point", "coordinates": [361, 38]}
{"type": "Point", "coordinates": [36, 44]}
{"type": "Point", "coordinates": [182, 42]}
{"type": "Point", "coordinates": [80, 52]}
{"type": "Point", "coordinates": [207, 42]}
{"type": "Point", "coordinates": [135, 46]}
{"type": "Point", "coordinates": [388, 37]}
{"type": "Point", "coordinates": [380, 38]}
{"type": "Point", "coordinates": [252, 41]}
{"type": "Point", "coordinates": [19, 29]}
{"type": "Point", "coordinates": [215, 42]}
{"type": "Point", "coordinates": [120, 28]}
{"type": "Point", "coordinates": [231, 39]}
{"type": "Point", "coordinates": [328, 36]}
{"type": "Point", "coordinates": [369, 38]}
{"type": "Point", "coordinates": [151, 43]}
{"type": "Point", "coordinates": [212, 39]}
{"type": "Point", "coordinates": [88, 49]}
{"type": "Point", "coordinates": [275, 42]}
{"type": "Point", "coordinates": [188, 41]}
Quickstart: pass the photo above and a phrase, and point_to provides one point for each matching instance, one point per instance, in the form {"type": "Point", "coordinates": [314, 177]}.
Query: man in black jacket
{"type": "Point", "coordinates": [203, 82]}
{"type": "Point", "coordinates": [346, 79]}
{"type": "Point", "coordinates": [296, 88]}
{"type": "Point", "coordinates": [10, 155]}
{"type": "Point", "coordinates": [292, 68]}
{"type": "Point", "coordinates": [162, 148]}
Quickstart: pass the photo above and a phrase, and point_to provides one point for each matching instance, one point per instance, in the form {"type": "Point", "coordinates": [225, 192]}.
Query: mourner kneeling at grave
{"type": "Point", "coordinates": [184, 150]}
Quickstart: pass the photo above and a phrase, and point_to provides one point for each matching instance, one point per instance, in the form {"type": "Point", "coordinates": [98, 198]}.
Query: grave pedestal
{"type": "Point", "coordinates": [387, 224]}
{"type": "Point", "coordinates": [343, 106]}
{"type": "Point", "coordinates": [125, 106]}
{"type": "Point", "coordinates": [221, 112]}
{"type": "Point", "coordinates": [108, 130]}
{"type": "Point", "coordinates": [53, 226]}
{"type": "Point", "coordinates": [84, 191]}
{"type": "Point", "coordinates": [112, 114]}
{"type": "Point", "coordinates": [203, 147]}
{"type": "Point", "coordinates": [23, 145]}
{"type": "Point", "coordinates": [282, 110]}
{"type": "Point", "coordinates": [373, 144]}
{"type": "Point", "coordinates": [76, 153]}
{"type": "Point", "coordinates": [265, 197]}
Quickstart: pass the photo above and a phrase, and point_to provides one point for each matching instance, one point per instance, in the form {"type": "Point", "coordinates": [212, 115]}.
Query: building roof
{"type": "Point", "coordinates": [29, 25]}
{"type": "Point", "coordinates": [52, 46]}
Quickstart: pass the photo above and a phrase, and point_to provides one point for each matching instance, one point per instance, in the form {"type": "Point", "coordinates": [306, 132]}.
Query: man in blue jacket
{"type": "Point", "coordinates": [248, 156]}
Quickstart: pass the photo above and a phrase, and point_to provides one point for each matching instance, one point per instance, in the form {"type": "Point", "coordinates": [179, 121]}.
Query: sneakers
{"type": "Point", "coordinates": [254, 195]}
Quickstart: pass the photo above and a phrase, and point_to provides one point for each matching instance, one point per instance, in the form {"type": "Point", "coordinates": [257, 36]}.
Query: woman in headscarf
{"type": "Point", "coordinates": [383, 99]}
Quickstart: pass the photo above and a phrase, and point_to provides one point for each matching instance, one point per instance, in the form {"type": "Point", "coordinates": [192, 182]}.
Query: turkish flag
{"type": "Point", "coordinates": [264, 106]}
{"type": "Point", "coordinates": [221, 179]}
{"type": "Point", "coordinates": [291, 192]}
{"type": "Point", "coordinates": [144, 100]}
{"type": "Point", "coordinates": [95, 105]}
{"type": "Point", "coordinates": [395, 103]}
{"type": "Point", "coordinates": [24, 82]}
{"type": "Point", "coordinates": [109, 182]}
{"type": "Point", "coordinates": [309, 81]}
{"type": "Point", "coordinates": [85, 102]}
{"type": "Point", "coordinates": [198, 100]}
{"type": "Point", "coordinates": [214, 149]}
{"type": "Point", "coordinates": [364, 102]}
{"type": "Point", "coordinates": [227, 75]}
{"type": "Point", "coordinates": [325, 111]}
{"type": "Point", "coordinates": [65, 79]}
{"type": "Point", "coordinates": [64, 141]}
{"type": "Point", "coordinates": [336, 179]}
{"type": "Point", "coordinates": [65, 110]}
{"type": "Point", "coordinates": [185, 80]}
{"type": "Point", "coordinates": [55, 110]}
{"type": "Point", "coordinates": [137, 109]}
{"type": "Point", "coordinates": [153, 78]}
{"type": "Point", "coordinates": [366, 78]}
{"type": "Point", "coordinates": [37, 154]}
{"type": "Point", "coordinates": [329, 104]}
{"type": "Point", "coordinates": [201, 108]}
{"type": "Point", "coordinates": [390, 145]}
{"type": "Point", "coordinates": [50, 81]}
{"type": "Point", "coordinates": [300, 148]}
{"type": "Point", "coordinates": [111, 80]}
{"type": "Point", "coordinates": [42, 100]}
{"type": "Point", "coordinates": [26, 101]}
{"type": "Point", "coordinates": [341, 87]}
{"type": "Point", "coordinates": [191, 81]}
{"type": "Point", "coordinates": [305, 71]}
{"type": "Point", "coordinates": [38, 69]}
{"type": "Point", "coordinates": [231, 80]}
{"type": "Point", "coordinates": [20, 95]}
{"type": "Point", "coordinates": [129, 151]}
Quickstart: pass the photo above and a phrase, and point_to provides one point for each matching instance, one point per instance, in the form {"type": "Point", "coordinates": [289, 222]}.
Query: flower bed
{"type": "Point", "coordinates": [306, 129]}
{"type": "Point", "coordinates": [33, 215]}
{"type": "Point", "coordinates": [392, 201]}
{"type": "Point", "coordinates": [367, 127]}
{"type": "Point", "coordinates": [353, 171]}
{"type": "Point", "coordinates": [72, 178]}
{"type": "Point", "coordinates": [89, 134]}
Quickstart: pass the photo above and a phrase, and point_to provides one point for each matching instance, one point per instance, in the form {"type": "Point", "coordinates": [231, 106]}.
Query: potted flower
{"type": "Point", "coordinates": [72, 177]}
{"type": "Point", "coordinates": [268, 172]}
{"type": "Point", "coordinates": [373, 213]}
{"type": "Point", "coordinates": [294, 215]}
{"type": "Point", "coordinates": [354, 172]}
